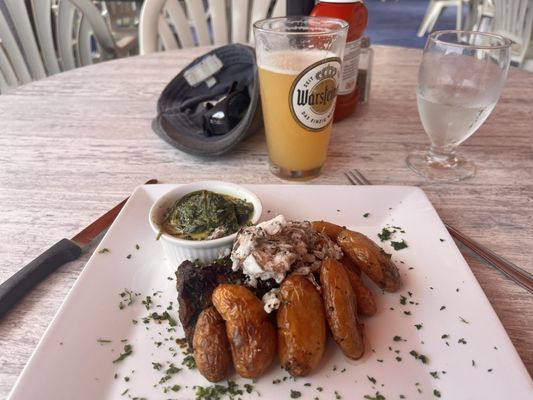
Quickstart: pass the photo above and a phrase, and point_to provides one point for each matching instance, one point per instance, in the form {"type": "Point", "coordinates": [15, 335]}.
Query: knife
{"type": "Point", "coordinates": [12, 290]}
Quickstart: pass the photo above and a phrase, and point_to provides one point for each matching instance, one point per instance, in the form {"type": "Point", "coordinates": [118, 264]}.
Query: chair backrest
{"type": "Point", "coordinates": [48, 37]}
{"type": "Point", "coordinates": [514, 20]}
{"type": "Point", "coordinates": [172, 24]}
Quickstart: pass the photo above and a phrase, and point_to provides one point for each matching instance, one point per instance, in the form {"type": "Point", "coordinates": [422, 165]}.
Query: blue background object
{"type": "Point", "coordinates": [395, 22]}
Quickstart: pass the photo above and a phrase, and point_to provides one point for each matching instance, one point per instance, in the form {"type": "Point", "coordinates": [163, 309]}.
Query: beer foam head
{"type": "Point", "coordinates": [292, 62]}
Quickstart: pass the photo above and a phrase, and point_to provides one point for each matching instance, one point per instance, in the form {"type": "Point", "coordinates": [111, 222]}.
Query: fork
{"type": "Point", "coordinates": [515, 273]}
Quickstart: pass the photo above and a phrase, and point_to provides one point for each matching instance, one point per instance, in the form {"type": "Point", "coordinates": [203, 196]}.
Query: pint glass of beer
{"type": "Point", "coordinates": [299, 63]}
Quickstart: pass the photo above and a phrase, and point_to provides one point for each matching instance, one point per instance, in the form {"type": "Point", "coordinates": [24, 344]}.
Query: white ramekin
{"type": "Point", "coordinates": [178, 250]}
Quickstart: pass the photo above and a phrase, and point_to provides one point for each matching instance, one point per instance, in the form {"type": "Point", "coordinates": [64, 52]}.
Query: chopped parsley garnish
{"type": "Point", "coordinates": [172, 369]}
{"type": "Point", "coordinates": [128, 350]}
{"type": "Point", "coordinates": [174, 388]}
{"type": "Point", "coordinates": [463, 320]}
{"type": "Point", "coordinates": [189, 362]}
{"type": "Point", "coordinates": [436, 393]}
{"type": "Point", "coordinates": [248, 387]}
{"type": "Point", "coordinates": [216, 391]}
{"type": "Point", "coordinates": [385, 234]}
{"type": "Point", "coordinates": [128, 256]}
{"type": "Point", "coordinates": [128, 298]}
{"type": "Point", "coordinates": [377, 396]}
{"type": "Point", "coordinates": [397, 338]}
{"type": "Point", "coordinates": [462, 341]}
{"type": "Point", "coordinates": [160, 318]}
{"type": "Point", "coordinates": [371, 379]}
{"type": "Point", "coordinates": [418, 356]}
{"type": "Point", "coordinates": [419, 326]}
{"type": "Point", "coordinates": [103, 341]}
{"type": "Point", "coordinates": [442, 308]}
{"type": "Point", "coordinates": [365, 215]}
{"type": "Point", "coordinates": [147, 302]}
{"type": "Point", "coordinates": [434, 374]}
{"type": "Point", "coordinates": [399, 245]}
{"type": "Point", "coordinates": [295, 394]}
{"type": "Point", "coordinates": [103, 250]}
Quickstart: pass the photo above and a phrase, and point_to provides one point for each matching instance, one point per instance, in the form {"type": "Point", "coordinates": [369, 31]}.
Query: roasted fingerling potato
{"type": "Point", "coordinates": [349, 264]}
{"type": "Point", "coordinates": [301, 321]}
{"type": "Point", "coordinates": [251, 333]}
{"type": "Point", "coordinates": [341, 308]}
{"type": "Point", "coordinates": [366, 303]}
{"type": "Point", "coordinates": [371, 259]}
{"type": "Point", "coordinates": [211, 347]}
{"type": "Point", "coordinates": [328, 228]}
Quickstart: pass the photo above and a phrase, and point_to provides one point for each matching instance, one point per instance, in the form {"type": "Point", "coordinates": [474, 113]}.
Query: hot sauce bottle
{"type": "Point", "coordinates": [356, 14]}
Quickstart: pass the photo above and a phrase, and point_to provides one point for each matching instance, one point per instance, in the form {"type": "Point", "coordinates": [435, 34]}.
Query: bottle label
{"type": "Point", "coordinates": [313, 92]}
{"type": "Point", "coordinates": [350, 65]}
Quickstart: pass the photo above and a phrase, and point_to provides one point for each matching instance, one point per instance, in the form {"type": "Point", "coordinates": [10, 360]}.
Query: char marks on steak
{"type": "Point", "coordinates": [195, 284]}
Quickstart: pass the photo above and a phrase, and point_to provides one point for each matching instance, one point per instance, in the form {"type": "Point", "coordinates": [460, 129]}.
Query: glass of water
{"type": "Point", "coordinates": [460, 79]}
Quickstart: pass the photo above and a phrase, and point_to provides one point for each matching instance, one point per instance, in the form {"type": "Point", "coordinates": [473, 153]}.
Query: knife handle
{"type": "Point", "coordinates": [25, 279]}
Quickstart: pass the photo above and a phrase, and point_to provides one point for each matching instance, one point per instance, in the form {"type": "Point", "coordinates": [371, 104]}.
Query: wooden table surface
{"type": "Point", "coordinates": [75, 144]}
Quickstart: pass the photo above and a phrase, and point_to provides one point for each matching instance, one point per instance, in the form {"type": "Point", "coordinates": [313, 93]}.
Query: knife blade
{"type": "Point", "coordinates": [20, 283]}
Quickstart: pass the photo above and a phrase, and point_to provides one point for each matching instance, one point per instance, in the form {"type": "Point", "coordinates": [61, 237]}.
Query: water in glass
{"type": "Point", "coordinates": [460, 80]}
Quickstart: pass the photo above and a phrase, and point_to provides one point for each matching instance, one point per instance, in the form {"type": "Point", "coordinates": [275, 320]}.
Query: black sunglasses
{"type": "Point", "coordinates": [224, 114]}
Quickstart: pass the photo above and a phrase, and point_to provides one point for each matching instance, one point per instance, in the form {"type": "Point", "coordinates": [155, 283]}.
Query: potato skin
{"type": "Point", "coordinates": [366, 304]}
{"type": "Point", "coordinates": [371, 259]}
{"type": "Point", "coordinates": [341, 308]}
{"type": "Point", "coordinates": [330, 229]}
{"type": "Point", "coordinates": [251, 334]}
{"type": "Point", "coordinates": [349, 264]}
{"type": "Point", "coordinates": [211, 348]}
{"type": "Point", "coordinates": [301, 321]}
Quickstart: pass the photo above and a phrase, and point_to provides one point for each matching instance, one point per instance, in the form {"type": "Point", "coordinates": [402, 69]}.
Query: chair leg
{"type": "Point", "coordinates": [434, 22]}
{"type": "Point", "coordinates": [432, 14]}
{"type": "Point", "coordinates": [459, 18]}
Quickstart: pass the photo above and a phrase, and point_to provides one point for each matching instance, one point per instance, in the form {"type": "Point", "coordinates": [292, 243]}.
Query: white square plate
{"type": "Point", "coordinates": [440, 313]}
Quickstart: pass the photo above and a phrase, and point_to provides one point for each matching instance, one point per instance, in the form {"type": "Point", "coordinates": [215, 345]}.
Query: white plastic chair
{"type": "Point", "coordinates": [34, 51]}
{"type": "Point", "coordinates": [514, 20]}
{"type": "Point", "coordinates": [435, 9]}
{"type": "Point", "coordinates": [172, 24]}
{"type": "Point", "coordinates": [482, 15]}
